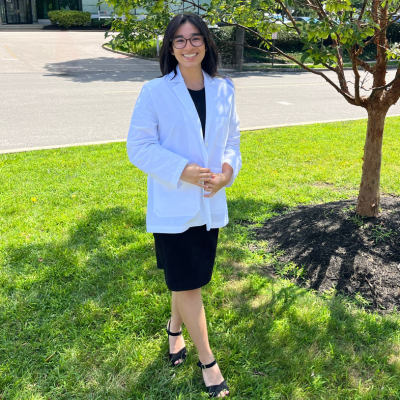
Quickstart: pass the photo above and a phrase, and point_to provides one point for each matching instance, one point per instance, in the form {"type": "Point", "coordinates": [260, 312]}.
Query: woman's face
{"type": "Point", "coordinates": [191, 55]}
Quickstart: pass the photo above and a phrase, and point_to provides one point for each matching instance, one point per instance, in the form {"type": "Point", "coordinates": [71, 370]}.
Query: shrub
{"type": "Point", "coordinates": [67, 19]}
{"type": "Point", "coordinates": [103, 23]}
{"type": "Point", "coordinates": [224, 38]}
{"type": "Point", "coordinates": [149, 52]}
{"type": "Point", "coordinates": [393, 33]}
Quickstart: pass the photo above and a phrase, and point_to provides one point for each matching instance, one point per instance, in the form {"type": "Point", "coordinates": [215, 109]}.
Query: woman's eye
{"type": "Point", "coordinates": [196, 40]}
{"type": "Point", "coordinates": [178, 41]}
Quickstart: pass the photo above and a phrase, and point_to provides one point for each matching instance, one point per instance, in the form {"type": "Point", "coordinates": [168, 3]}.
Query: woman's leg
{"type": "Point", "coordinates": [176, 343]}
{"type": "Point", "coordinates": [191, 311]}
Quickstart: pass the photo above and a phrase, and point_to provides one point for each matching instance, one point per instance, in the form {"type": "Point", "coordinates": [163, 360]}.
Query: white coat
{"type": "Point", "coordinates": [166, 134]}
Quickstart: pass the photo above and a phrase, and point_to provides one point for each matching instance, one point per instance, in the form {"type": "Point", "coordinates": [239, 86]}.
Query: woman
{"type": "Point", "coordinates": [184, 135]}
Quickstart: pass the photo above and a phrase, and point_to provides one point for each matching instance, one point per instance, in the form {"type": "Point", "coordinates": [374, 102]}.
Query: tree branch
{"type": "Point", "coordinates": [340, 72]}
{"type": "Point", "coordinates": [393, 95]}
{"type": "Point", "coordinates": [290, 16]}
{"type": "Point", "coordinates": [385, 28]}
{"type": "Point", "coordinates": [347, 96]}
{"type": "Point", "coordinates": [357, 79]}
{"type": "Point", "coordinates": [389, 84]}
{"type": "Point", "coordinates": [362, 10]}
{"type": "Point", "coordinates": [365, 65]}
{"type": "Point", "coordinates": [306, 4]}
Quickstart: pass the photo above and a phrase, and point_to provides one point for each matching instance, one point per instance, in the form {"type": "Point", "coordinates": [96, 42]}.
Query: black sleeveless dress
{"type": "Point", "coordinates": [187, 258]}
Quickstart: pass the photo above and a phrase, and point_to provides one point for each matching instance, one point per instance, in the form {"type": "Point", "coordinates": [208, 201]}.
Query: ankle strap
{"type": "Point", "coordinates": [205, 366]}
{"type": "Point", "coordinates": [172, 333]}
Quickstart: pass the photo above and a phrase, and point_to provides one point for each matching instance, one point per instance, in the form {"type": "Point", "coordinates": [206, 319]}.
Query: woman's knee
{"type": "Point", "coordinates": [188, 293]}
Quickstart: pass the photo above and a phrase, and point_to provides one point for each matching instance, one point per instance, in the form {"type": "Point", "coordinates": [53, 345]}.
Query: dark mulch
{"type": "Point", "coordinates": [339, 249]}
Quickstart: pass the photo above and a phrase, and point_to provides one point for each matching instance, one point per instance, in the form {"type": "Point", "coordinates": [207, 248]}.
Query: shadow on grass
{"type": "Point", "coordinates": [284, 343]}
{"type": "Point", "coordinates": [242, 209]}
{"type": "Point", "coordinates": [79, 299]}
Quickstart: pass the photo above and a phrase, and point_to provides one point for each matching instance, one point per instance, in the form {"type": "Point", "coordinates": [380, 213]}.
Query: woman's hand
{"type": "Point", "coordinates": [218, 181]}
{"type": "Point", "coordinates": [196, 175]}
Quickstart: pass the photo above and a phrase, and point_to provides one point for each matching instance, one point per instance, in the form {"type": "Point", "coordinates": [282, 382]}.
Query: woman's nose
{"type": "Point", "coordinates": [188, 44]}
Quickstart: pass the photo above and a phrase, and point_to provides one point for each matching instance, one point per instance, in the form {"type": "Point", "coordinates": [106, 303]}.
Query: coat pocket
{"type": "Point", "coordinates": [181, 202]}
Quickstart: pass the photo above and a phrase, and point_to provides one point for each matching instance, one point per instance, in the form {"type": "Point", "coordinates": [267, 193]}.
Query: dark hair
{"type": "Point", "coordinates": [168, 62]}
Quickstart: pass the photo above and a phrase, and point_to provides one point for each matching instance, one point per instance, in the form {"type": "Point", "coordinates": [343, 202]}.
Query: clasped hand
{"type": "Point", "coordinates": [205, 178]}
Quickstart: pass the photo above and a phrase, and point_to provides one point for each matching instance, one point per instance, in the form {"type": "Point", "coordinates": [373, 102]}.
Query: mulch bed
{"type": "Point", "coordinates": [339, 249]}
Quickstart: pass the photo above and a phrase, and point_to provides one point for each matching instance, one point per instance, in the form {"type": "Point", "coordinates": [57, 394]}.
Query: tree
{"type": "Point", "coordinates": [340, 27]}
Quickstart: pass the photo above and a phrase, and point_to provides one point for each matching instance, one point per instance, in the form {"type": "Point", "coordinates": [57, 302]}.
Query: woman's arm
{"type": "Point", "coordinates": [232, 159]}
{"type": "Point", "coordinates": [232, 155]}
{"type": "Point", "coordinates": [143, 146]}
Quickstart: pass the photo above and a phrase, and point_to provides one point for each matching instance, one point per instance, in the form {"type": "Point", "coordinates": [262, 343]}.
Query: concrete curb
{"type": "Point", "coordinates": [298, 69]}
{"type": "Point", "coordinates": [127, 54]}
{"type": "Point", "coordinates": [254, 128]}
{"type": "Point", "coordinates": [61, 146]}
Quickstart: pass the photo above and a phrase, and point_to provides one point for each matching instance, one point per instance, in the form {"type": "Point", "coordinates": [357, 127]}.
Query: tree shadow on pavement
{"type": "Point", "coordinates": [105, 69]}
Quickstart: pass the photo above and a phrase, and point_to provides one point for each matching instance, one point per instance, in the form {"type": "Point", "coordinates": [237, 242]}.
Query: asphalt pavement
{"type": "Point", "coordinates": [63, 88]}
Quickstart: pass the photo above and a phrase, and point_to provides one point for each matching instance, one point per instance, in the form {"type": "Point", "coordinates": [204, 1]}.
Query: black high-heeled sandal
{"type": "Point", "coordinates": [214, 390]}
{"type": "Point", "coordinates": [181, 354]}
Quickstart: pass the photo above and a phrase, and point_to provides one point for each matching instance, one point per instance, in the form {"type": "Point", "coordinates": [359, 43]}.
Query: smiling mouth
{"type": "Point", "coordinates": [189, 56]}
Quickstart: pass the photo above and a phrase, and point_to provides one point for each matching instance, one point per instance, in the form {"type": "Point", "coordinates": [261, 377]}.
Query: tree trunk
{"type": "Point", "coordinates": [369, 196]}
{"type": "Point", "coordinates": [239, 48]}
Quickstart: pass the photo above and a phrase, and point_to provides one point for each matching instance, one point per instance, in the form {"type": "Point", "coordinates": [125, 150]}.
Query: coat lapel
{"type": "Point", "coordinates": [211, 100]}
{"type": "Point", "coordinates": [184, 97]}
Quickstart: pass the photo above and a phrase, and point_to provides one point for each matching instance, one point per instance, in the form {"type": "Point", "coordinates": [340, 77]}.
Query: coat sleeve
{"type": "Point", "coordinates": [143, 145]}
{"type": "Point", "coordinates": [232, 154]}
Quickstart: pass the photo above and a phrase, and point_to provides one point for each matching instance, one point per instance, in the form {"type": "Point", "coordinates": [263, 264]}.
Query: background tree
{"type": "Point", "coordinates": [339, 26]}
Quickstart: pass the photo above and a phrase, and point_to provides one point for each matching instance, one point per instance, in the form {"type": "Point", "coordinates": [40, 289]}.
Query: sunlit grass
{"type": "Point", "coordinates": [79, 285]}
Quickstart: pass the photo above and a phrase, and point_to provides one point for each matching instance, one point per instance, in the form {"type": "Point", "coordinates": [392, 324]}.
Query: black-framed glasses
{"type": "Point", "coordinates": [180, 42]}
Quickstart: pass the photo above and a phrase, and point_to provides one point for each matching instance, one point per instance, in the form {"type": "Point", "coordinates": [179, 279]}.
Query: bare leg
{"type": "Point", "coordinates": [176, 343]}
{"type": "Point", "coordinates": [191, 309]}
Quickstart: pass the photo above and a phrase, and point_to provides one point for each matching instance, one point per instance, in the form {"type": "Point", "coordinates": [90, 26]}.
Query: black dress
{"type": "Point", "coordinates": [187, 258]}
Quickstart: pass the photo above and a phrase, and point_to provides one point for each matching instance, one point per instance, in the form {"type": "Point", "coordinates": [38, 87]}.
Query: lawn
{"type": "Point", "coordinates": [83, 307]}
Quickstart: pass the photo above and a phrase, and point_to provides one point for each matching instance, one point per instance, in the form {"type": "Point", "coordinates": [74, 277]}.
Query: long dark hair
{"type": "Point", "coordinates": [168, 62]}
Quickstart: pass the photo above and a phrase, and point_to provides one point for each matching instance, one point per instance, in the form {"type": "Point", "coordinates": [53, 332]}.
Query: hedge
{"type": "Point", "coordinates": [102, 23]}
{"type": "Point", "coordinates": [287, 41]}
{"type": "Point", "coordinates": [67, 19]}
{"type": "Point", "coordinates": [393, 33]}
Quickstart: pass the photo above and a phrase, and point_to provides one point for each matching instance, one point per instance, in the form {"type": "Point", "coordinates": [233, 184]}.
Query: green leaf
{"type": "Point", "coordinates": [254, 4]}
{"type": "Point", "coordinates": [304, 57]}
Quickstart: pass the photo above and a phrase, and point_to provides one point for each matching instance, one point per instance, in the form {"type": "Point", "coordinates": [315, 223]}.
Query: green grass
{"type": "Point", "coordinates": [149, 50]}
{"type": "Point", "coordinates": [83, 307]}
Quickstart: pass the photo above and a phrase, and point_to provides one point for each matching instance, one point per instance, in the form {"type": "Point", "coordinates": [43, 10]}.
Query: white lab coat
{"type": "Point", "coordinates": [165, 135]}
